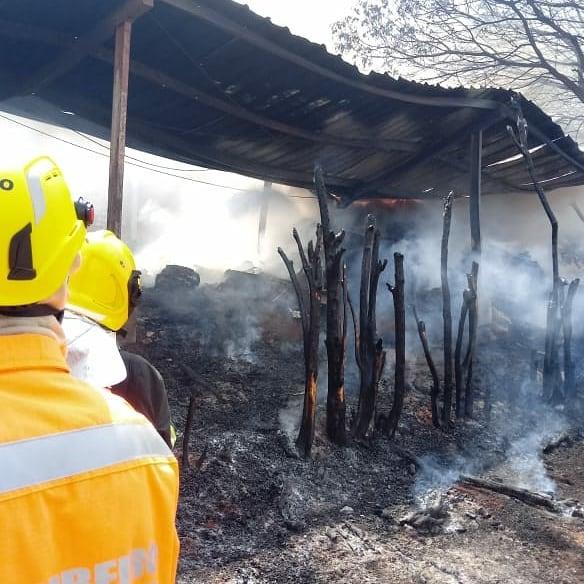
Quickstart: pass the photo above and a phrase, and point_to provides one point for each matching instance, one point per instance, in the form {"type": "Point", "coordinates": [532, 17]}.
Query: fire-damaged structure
{"type": "Point", "coordinates": [213, 84]}
{"type": "Point", "coordinates": [209, 82]}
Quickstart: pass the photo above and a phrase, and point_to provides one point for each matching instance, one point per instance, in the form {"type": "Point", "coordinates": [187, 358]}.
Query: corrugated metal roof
{"type": "Point", "coordinates": [214, 84]}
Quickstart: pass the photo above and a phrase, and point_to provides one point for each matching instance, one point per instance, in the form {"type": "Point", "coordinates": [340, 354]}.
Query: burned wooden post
{"type": "Point", "coordinates": [473, 319]}
{"type": "Point", "coordinates": [569, 373]}
{"type": "Point", "coordinates": [345, 318]}
{"type": "Point", "coordinates": [421, 326]}
{"type": "Point", "coordinates": [371, 355]}
{"type": "Point", "coordinates": [309, 305]}
{"type": "Point", "coordinates": [551, 376]}
{"type": "Point", "coordinates": [399, 308]}
{"type": "Point", "coordinates": [118, 128]}
{"type": "Point", "coordinates": [476, 145]}
{"type": "Point", "coordinates": [333, 253]}
{"type": "Point", "coordinates": [446, 310]}
{"type": "Point", "coordinates": [458, 373]}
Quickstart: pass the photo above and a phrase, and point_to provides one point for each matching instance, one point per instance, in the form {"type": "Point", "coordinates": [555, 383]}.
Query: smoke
{"type": "Point", "coordinates": [515, 280]}
{"type": "Point", "coordinates": [437, 475]}
{"type": "Point", "coordinates": [514, 457]}
{"type": "Point", "coordinates": [242, 346]}
{"type": "Point", "coordinates": [525, 463]}
{"type": "Point", "coordinates": [218, 230]}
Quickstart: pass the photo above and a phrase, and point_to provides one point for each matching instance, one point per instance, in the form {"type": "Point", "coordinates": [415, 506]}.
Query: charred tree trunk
{"type": "Point", "coordinates": [473, 319]}
{"type": "Point", "coordinates": [551, 376]}
{"type": "Point", "coordinates": [333, 252]}
{"type": "Point", "coordinates": [569, 375]}
{"type": "Point", "coordinates": [458, 377]}
{"type": "Point", "coordinates": [310, 315]}
{"type": "Point", "coordinates": [356, 331]}
{"type": "Point", "coordinates": [433, 371]}
{"type": "Point", "coordinates": [446, 311]}
{"type": "Point", "coordinates": [399, 308]}
{"type": "Point", "coordinates": [371, 355]}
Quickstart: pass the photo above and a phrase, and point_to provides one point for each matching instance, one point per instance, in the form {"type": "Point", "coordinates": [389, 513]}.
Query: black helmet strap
{"type": "Point", "coordinates": [31, 310]}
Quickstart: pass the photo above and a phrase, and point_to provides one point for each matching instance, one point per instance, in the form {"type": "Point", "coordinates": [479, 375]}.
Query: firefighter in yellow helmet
{"type": "Point", "coordinates": [103, 293]}
{"type": "Point", "coordinates": [79, 467]}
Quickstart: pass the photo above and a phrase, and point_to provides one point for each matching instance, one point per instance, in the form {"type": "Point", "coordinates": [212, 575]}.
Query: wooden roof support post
{"type": "Point", "coordinates": [133, 10]}
{"type": "Point", "coordinates": [118, 128]}
{"type": "Point", "coordinates": [476, 146]}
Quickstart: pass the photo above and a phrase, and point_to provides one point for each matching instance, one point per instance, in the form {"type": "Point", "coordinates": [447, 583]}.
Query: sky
{"type": "Point", "coordinates": [311, 19]}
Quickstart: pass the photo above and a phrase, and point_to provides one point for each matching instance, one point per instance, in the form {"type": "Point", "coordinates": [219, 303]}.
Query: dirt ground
{"type": "Point", "coordinates": [251, 512]}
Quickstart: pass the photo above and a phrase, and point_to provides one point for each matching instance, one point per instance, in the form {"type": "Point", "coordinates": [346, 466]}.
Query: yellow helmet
{"type": "Point", "coordinates": [40, 232]}
{"type": "Point", "coordinates": [106, 286]}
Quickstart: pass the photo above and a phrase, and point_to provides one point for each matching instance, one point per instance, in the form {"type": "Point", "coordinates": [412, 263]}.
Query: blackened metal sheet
{"type": "Point", "coordinates": [369, 145]}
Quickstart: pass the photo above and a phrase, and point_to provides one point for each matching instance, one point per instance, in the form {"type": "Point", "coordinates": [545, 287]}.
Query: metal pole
{"type": "Point", "coordinates": [118, 128]}
{"type": "Point", "coordinates": [476, 146]}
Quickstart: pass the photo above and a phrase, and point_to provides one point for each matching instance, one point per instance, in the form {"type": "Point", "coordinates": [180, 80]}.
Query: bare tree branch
{"type": "Point", "coordinates": [536, 46]}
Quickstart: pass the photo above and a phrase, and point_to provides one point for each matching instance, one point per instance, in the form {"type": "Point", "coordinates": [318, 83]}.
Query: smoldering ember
{"type": "Point", "coordinates": [374, 356]}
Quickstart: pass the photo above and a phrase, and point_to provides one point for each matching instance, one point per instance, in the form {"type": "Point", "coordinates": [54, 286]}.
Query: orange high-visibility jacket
{"type": "Point", "coordinates": [88, 489]}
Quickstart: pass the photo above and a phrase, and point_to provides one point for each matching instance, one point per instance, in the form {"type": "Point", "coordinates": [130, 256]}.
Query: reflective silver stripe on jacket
{"type": "Point", "coordinates": [46, 458]}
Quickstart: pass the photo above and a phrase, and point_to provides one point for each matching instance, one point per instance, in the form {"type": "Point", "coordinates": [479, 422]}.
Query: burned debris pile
{"type": "Point", "coordinates": [251, 512]}
{"type": "Point", "coordinates": [335, 419]}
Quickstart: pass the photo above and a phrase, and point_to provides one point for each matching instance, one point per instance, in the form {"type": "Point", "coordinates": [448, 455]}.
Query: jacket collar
{"type": "Point", "coordinates": [32, 343]}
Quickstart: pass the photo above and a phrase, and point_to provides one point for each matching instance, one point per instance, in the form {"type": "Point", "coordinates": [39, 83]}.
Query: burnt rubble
{"type": "Point", "coordinates": [173, 277]}
{"type": "Point", "coordinates": [251, 511]}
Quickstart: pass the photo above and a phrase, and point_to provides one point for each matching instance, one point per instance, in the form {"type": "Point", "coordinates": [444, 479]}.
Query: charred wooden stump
{"type": "Point", "coordinates": [446, 310]}
{"type": "Point", "coordinates": [309, 305]}
{"type": "Point", "coordinates": [399, 307]}
{"type": "Point", "coordinates": [371, 359]}
{"type": "Point", "coordinates": [435, 392]}
{"type": "Point", "coordinates": [335, 311]}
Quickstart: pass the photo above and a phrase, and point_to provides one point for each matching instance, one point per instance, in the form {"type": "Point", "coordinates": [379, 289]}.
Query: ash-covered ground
{"type": "Point", "coordinates": [251, 512]}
